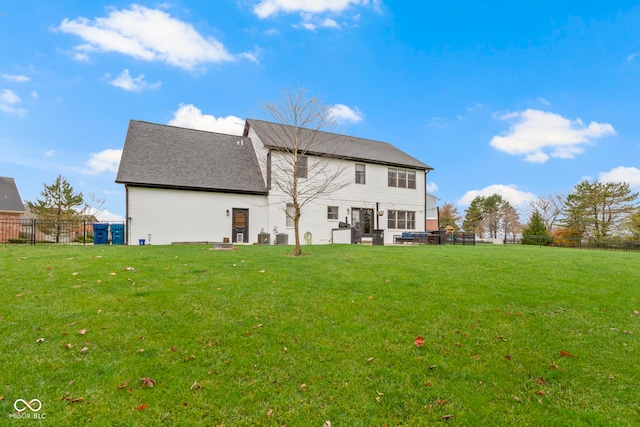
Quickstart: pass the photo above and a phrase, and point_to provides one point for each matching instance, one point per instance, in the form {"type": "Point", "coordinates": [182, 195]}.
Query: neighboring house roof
{"type": "Point", "coordinates": [276, 136]}
{"type": "Point", "coordinates": [10, 200]}
{"type": "Point", "coordinates": [171, 157]}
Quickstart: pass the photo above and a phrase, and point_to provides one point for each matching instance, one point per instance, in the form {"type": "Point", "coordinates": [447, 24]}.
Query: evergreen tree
{"type": "Point", "coordinates": [56, 207]}
{"type": "Point", "coordinates": [536, 232]}
{"type": "Point", "coordinates": [474, 217]}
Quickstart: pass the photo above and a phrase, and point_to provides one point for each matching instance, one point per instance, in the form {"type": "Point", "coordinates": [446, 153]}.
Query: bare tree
{"type": "Point", "coordinates": [549, 207]}
{"type": "Point", "coordinates": [306, 163]}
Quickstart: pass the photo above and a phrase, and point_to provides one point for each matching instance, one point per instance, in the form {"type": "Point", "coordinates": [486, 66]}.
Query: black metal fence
{"type": "Point", "coordinates": [82, 232]}
{"type": "Point", "coordinates": [608, 243]}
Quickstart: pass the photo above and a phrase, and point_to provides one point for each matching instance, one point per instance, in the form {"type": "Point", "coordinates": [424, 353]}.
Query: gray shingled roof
{"type": "Point", "coordinates": [275, 136]}
{"type": "Point", "coordinates": [171, 157]}
{"type": "Point", "coordinates": [10, 200]}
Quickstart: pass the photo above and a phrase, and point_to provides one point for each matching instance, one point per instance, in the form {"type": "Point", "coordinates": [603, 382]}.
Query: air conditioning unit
{"type": "Point", "coordinates": [264, 239]}
{"type": "Point", "coordinates": [282, 239]}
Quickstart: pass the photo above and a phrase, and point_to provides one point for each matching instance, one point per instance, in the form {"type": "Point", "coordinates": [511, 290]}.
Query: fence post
{"type": "Point", "coordinates": [33, 231]}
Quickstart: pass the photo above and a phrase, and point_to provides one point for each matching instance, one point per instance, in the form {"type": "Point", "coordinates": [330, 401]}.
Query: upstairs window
{"type": "Point", "coordinates": [361, 174]}
{"type": "Point", "coordinates": [411, 179]}
{"type": "Point", "coordinates": [392, 175]}
{"type": "Point", "coordinates": [301, 169]}
{"type": "Point", "coordinates": [401, 178]}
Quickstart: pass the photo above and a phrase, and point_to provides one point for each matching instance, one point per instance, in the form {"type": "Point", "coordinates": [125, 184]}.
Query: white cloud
{"type": "Point", "coordinates": [189, 116]}
{"type": "Point", "coordinates": [50, 153]}
{"type": "Point", "coordinates": [105, 215]}
{"type": "Point", "coordinates": [543, 101]}
{"type": "Point", "coordinates": [630, 175]}
{"type": "Point", "coordinates": [8, 102]}
{"type": "Point", "coordinates": [146, 34]}
{"type": "Point", "coordinates": [133, 84]}
{"type": "Point", "coordinates": [509, 193]}
{"type": "Point", "coordinates": [15, 78]}
{"type": "Point", "coordinates": [432, 187]}
{"type": "Point", "coordinates": [266, 8]}
{"type": "Point", "coordinates": [105, 161]}
{"type": "Point", "coordinates": [34, 94]}
{"type": "Point", "coordinates": [343, 114]}
{"type": "Point", "coordinates": [539, 134]}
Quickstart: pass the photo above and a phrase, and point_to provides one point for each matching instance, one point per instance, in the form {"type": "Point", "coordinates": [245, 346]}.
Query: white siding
{"type": "Point", "coordinates": [190, 216]}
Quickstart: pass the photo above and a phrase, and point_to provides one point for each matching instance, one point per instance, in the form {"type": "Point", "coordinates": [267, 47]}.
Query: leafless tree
{"type": "Point", "coordinates": [306, 163]}
{"type": "Point", "coordinates": [549, 207]}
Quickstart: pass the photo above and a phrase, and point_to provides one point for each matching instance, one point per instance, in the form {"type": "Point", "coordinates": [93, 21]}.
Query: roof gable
{"type": "Point", "coordinates": [10, 200]}
{"type": "Point", "coordinates": [275, 136]}
{"type": "Point", "coordinates": [171, 157]}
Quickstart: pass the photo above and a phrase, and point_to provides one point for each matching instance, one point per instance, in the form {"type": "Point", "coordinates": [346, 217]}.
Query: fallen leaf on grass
{"type": "Point", "coordinates": [508, 357]}
{"type": "Point", "coordinates": [148, 382]}
{"type": "Point", "coordinates": [326, 424]}
{"type": "Point", "coordinates": [142, 407]}
{"type": "Point", "coordinates": [565, 354]}
{"type": "Point", "coordinates": [73, 399]}
{"type": "Point", "coordinates": [195, 386]}
{"type": "Point", "coordinates": [428, 384]}
{"type": "Point", "coordinates": [84, 349]}
{"type": "Point", "coordinates": [124, 384]}
{"type": "Point", "coordinates": [636, 313]}
{"type": "Point", "coordinates": [369, 360]}
{"type": "Point", "coordinates": [446, 417]}
{"type": "Point", "coordinates": [70, 382]}
{"type": "Point", "coordinates": [39, 340]}
{"type": "Point", "coordinates": [539, 392]}
{"type": "Point", "coordinates": [269, 412]}
{"type": "Point", "coordinates": [129, 269]}
{"type": "Point", "coordinates": [553, 366]}
{"type": "Point", "coordinates": [498, 337]}
{"type": "Point", "coordinates": [258, 326]}
{"type": "Point", "coordinates": [516, 398]}
{"type": "Point", "coordinates": [82, 331]}
{"type": "Point", "coordinates": [68, 346]}
{"type": "Point", "coordinates": [541, 381]}
{"type": "Point", "coordinates": [418, 342]}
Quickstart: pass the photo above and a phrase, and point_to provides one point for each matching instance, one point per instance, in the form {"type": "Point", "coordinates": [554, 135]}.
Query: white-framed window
{"type": "Point", "coordinates": [332, 212]}
{"type": "Point", "coordinates": [291, 212]}
{"type": "Point", "coordinates": [401, 178]}
{"type": "Point", "coordinates": [301, 167]}
{"type": "Point", "coordinates": [411, 179]}
{"type": "Point", "coordinates": [401, 220]}
{"type": "Point", "coordinates": [361, 174]}
{"type": "Point", "coordinates": [392, 175]}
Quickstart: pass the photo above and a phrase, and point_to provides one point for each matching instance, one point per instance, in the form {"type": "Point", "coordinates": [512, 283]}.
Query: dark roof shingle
{"type": "Point", "coordinates": [171, 157]}
{"type": "Point", "coordinates": [275, 136]}
{"type": "Point", "coordinates": [10, 200]}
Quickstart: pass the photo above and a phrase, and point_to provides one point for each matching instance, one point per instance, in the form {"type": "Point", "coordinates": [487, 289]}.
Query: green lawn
{"type": "Point", "coordinates": [512, 335]}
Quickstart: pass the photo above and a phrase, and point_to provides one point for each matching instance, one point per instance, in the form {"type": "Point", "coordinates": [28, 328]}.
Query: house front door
{"type": "Point", "coordinates": [240, 228]}
{"type": "Point", "coordinates": [362, 221]}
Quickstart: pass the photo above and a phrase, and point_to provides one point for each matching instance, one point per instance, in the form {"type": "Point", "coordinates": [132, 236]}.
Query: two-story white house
{"type": "Point", "coordinates": [185, 185]}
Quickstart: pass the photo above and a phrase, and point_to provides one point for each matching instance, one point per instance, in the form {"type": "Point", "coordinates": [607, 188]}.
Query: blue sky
{"type": "Point", "coordinates": [522, 99]}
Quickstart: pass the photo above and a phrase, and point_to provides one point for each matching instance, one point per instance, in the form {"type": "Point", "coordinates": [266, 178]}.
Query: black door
{"type": "Point", "coordinates": [240, 229]}
{"type": "Point", "coordinates": [362, 221]}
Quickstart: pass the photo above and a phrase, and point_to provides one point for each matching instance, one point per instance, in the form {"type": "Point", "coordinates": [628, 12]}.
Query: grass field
{"type": "Point", "coordinates": [183, 335]}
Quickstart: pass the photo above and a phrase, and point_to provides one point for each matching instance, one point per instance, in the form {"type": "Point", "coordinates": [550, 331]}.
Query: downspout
{"type": "Point", "coordinates": [426, 172]}
{"type": "Point", "coordinates": [127, 218]}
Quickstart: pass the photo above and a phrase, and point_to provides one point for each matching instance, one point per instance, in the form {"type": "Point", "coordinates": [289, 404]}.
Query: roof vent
{"type": "Point", "coordinates": [240, 143]}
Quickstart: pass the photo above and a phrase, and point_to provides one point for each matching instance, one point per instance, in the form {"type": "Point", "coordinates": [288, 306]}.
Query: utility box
{"type": "Point", "coordinates": [117, 234]}
{"type": "Point", "coordinates": [100, 234]}
{"type": "Point", "coordinates": [264, 239]}
{"type": "Point", "coordinates": [378, 237]}
{"type": "Point", "coordinates": [282, 239]}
